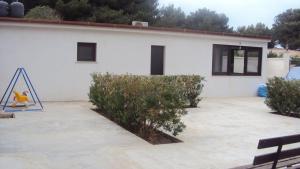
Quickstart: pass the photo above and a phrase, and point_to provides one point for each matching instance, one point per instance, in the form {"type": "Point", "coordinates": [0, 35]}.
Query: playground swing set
{"type": "Point", "coordinates": [20, 101]}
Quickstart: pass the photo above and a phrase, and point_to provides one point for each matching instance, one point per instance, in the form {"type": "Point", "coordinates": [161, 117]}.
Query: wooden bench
{"type": "Point", "coordinates": [289, 158]}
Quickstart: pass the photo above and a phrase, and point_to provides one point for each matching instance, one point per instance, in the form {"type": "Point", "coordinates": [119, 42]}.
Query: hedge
{"type": "Point", "coordinates": [284, 96]}
{"type": "Point", "coordinates": [192, 86]}
{"type": "Point", "coordinates": [295, 61]}
{"type": "Point", "coordinates": [145, 103]}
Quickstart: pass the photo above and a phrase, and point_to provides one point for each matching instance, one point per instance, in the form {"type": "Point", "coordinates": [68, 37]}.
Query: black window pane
{"type": "Point", "coordinates": [220, 59]}
{"type": "Point", "coordinates": [86, 52]}
{"type": "Point", "coordinates": [157, 60]}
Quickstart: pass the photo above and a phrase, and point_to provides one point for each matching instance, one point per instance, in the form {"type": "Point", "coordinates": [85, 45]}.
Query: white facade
{"type": "Point", "coordinates": [49, 54]}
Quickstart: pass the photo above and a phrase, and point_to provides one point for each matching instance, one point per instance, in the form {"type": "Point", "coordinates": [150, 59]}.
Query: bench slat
{"type": "Point", "coordinates": [272, 142]}
{"type": "Point", "coordinates": [281, 163]}
{"type": "Point", "coordinates": [265, 158]}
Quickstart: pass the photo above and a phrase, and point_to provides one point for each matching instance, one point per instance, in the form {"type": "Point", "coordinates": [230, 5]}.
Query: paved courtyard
{"type": "Point", "coordinates": [222, 133]}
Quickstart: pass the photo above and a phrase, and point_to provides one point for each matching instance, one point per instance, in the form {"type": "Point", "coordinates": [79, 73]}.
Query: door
{"type": "Point", "coordinates": [157, 60]}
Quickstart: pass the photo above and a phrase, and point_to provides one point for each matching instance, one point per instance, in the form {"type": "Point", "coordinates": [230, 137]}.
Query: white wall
{"type": "Point", "coordinates": [277, 67]}
{"type": "Point", "coordinates": [48, 52]}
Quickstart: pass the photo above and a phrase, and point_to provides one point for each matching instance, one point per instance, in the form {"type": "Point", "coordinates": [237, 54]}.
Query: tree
{"type": "Point", "coordinates": [106, 14]}
{"type": "Point", "coordinates": [108, 11]}
{"type": "Point", "coordinates": [144, 10]}
{"type": "Point", "coordinates": [42, 12]}
{"type": "Point", "coordinates": [74, 9]}
{"type": "Point", "coordinates": [258, 29]}
{"type": "Point", "coordinates": [287, 28]}
{"type": "Point", "coordinates": [169, 16]}
{"type": "Point", "coordinates": [204, 19]}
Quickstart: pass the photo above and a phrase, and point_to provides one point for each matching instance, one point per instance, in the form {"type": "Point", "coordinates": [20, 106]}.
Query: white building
{"type": "Point", "coordinates": [60, 56]}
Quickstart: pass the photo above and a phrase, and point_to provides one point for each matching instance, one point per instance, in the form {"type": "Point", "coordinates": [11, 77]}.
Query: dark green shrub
{"type": "Point", "coordinates": [283, 96]}
{"type": "Point", "coordinates": [145, 103]}
{"type": "Point", "coordinates": [274, 55]}
{"type": "Point", "coordinates": [193, 86]}
{"type": "Point", "coordinates": [295, 60]}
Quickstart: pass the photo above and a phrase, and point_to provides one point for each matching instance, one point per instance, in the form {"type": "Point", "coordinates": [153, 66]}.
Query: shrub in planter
{"type": "Point", "coordinates": [163, 106]}
{"type": "Point", "coordinates": [193, 86]}
{"type": "Point", "coordinates": [144, 103]}
{"type": "Point", "coordinates": [283, 96]}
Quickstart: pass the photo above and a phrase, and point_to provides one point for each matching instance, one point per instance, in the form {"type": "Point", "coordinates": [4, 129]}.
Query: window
{"type": "Point", "coordinates": [86, 51]}
{"type": "Point", "coordinates": [236, 60]}
{"type": "Point", "coordinates": [220, 62]}
{"type": "Point", "coordinates": [157, 60]}
{"type": "Point", "coordinates": [253, 61]}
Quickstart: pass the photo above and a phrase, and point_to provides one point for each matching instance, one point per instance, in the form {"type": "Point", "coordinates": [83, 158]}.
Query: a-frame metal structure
{"type": "Point", "coordinates": [7, 94]}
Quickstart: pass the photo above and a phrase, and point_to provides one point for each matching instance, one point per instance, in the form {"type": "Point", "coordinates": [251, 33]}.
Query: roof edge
{"type": "Point", "coordinates": [123, 26]}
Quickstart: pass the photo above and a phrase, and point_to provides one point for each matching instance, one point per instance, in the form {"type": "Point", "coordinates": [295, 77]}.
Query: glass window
{"type": "Point", "coordinates": [236, 60]}
{"type": "Point", "coordinates": [86, 51]}
{"type": "Point", "coordinates": [220, 59]}
{"type": "Point", "coordinates": [253, 60]}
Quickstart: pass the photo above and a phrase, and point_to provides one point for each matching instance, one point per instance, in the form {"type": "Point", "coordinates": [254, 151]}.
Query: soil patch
{"type": "Point", "coordinates": [158, 137]}
{"type": "Point", "coordinates": [296, 115]}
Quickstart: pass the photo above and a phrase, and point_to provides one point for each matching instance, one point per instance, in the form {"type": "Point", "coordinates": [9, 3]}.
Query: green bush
{"type": "Point", "coordinates": [295, 60]}
{"type": "Point", "coordinates": [144, 103]}
{"type": "Point", "coordinates": [193, 86]}
{"type": "Point", "coordinates": [74, 9]}
{"type": "Point", "coordinates": [104, 14]}
{"type": "Point", "coordinates": [283, 96]}
{"type": "Point", "coordinates": [274, 55]}
{"type": "Point", "coordinates": [42, 12]}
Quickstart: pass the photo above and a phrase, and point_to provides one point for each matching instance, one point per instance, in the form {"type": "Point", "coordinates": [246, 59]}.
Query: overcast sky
{"type": "Point", "coordinates": [239, 12]}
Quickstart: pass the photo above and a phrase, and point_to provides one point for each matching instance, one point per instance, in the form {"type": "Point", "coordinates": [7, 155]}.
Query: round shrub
{"type": "Point", "coordinates": [42, 12]}
{"type": "Point", "coordinates": [283, 96]}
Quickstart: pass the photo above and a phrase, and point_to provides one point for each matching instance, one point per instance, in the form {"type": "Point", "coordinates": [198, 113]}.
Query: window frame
{"type": "Point", "coordinates": [230, 63]}
{"type": "Point", "coordinates": [87, 44]}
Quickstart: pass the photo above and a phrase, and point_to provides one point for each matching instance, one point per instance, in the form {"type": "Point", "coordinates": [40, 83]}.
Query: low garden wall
{"type": "Point", "coordinates": [278, 67]}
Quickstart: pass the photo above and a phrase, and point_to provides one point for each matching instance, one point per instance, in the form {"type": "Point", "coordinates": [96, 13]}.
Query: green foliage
{"type": "Point", "coordinates": [104, 14]}
{"type": "Point", "coordinates": [295, 60]}
{"type": "Point", "coordinates": [42, 12]}
{"type": "Point", "coordinates": [205, 19]}
{"type": "Point", "coordinates": [29, 4]}
{"type": "Point", "coordinates": [274, 55]}
{"type": "Point", "coordinates": [192, 87]}
{"type": "Point", "coordinates": [286, 28]}
{"type": "Point", "coordinates": [74, 9]}
{"type": "Point", "coordinates": [258, 29]}
{"type": "Point", "coordinates": [283, 96]}
{"type": "Point", "coordinates": [144, 10]}
{"type": "Point", "coordinates": [202, 19]}
{"type": "Point", "coordinates": [143, 103]}
{"type": "Point", "coordinates": [169, 16]}
{"type": "Point", "coordinates": [125, 11]}
{"type": "Point", "coordinates": [108, 11]}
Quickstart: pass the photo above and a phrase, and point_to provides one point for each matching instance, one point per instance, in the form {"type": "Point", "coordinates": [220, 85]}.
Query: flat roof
{"type": "Point", "coordinates": [123, 26]}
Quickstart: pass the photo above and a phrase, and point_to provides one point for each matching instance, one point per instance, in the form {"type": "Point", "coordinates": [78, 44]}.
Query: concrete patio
{"type": "Point", "coordinates": [222, 133]}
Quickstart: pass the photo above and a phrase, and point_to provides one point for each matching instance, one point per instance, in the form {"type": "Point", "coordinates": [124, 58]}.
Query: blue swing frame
{"type": "Point", "coordinates": [11, 86]}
